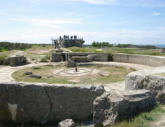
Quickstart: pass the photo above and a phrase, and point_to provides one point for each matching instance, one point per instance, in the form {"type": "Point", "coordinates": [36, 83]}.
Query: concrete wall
{"type": "Point", "coordinates": [126, 58]}
{"type": "Point", "coordinates": [81, 57]}
{"type": "Point", "coordinates": [56, 57]}
{"type": "Point", "coordinates": [14, 61]}
{"type": "Point", "coordinates": [17, 60]}
{"type": "Point", "coordinates": [42, 103]}
{"type": "Point", "coordinates": [139, 59]}
{"type": "Point", "coordinates": [79, 54]}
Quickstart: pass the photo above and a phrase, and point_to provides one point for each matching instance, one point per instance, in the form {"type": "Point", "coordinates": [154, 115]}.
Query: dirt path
{"type": "Point", "coordinates": [7, 71]}
{"type": "Point", "coordinates": [18, 53]}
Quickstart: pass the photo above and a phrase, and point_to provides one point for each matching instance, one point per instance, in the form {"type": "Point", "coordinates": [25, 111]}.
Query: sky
{"type": "Point", "coordinates": [115, 21]}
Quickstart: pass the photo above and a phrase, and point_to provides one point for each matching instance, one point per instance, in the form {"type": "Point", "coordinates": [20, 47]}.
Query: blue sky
{"type": "Point", "coordinates": [116, 21]}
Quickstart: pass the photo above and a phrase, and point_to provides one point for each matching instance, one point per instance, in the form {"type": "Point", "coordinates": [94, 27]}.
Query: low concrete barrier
{"type": "Point", "coordinates": [14, 61]}
{"type": "Point", "coordinates": [139, 59]}
{"type": "Point", "coordinates": [41, 103]}
{"type": "Point", "coordinates": [103, 57]}
{"type": "Point", "coordinates": [81, 57]}
{"type": "Point", "coordinates": [17, 60]}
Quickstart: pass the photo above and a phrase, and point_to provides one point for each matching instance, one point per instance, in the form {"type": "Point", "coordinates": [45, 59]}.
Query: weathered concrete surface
{"type": "Point", "coordinates": [80, 58]}
{"type": "Point", "coordinates": [139, 59]}
{"type": "Point", "coordinates": [14, 61]}
{"type": "Point", "coordinates": [119, 57]}
{"type": "Point", "coordinates": [79, 54]}
{"type": "Point", "coordinates": [90, 57]}
{"type": "Point", "coordinates": [115, 106]}
{"type": "Point", "coordinates": [41, 103]}
{"type": "Point", "coordinates": [156, 84]}
{"type": "Point", "coordinates": [83, 57]}
{"type": "Point", "coordinates": [145, 79]}
{"type": "Point", "coordinates": [56, 57]}
{"type": "Point", "coordinates": [134, 80]}
{"type": "Point", "coordinates": [17, 60]}
{"type": "Point", "coordinates": [99, 57]}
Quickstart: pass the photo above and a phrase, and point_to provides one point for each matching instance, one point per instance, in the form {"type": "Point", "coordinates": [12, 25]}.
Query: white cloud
{"type": "Point", "coordinates": [48, 22]}
{"type": "Point", "coordinates": [130, 3]}
{"type": "Point", "coordinates": [155, 13]}
{"type": "Point", "coordinates": [96, 1]}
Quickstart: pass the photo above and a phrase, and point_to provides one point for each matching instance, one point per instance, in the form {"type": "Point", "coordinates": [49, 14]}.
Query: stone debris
{"type": "Point", "coordinates": [67, 123]}
{"type": "Point", "coordinates": [28, 73]}
{"type": "Point", "coordinates": [56, 57]}
{"type": "Point", "coordinates": [35, 76]}
{"type": "Point", "coordinates": [115, 106]}
{"type": "Point", "coordinates": [104, 73]}
{"type": "Point", "coordinates": [154, 83]}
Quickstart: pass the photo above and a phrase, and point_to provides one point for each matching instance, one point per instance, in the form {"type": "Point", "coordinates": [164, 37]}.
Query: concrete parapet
{"type": "Point", "coordinates": [41, 103]}
{"type": "Point", "coordinates": [139, 59]}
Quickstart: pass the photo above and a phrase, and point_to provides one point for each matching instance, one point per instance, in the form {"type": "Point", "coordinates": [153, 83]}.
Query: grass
{"type": "Point", "coordinates": [115, 74]}
{"type": "Point", "coordinates": [44, 71]}
{"type": "Point", "coordinates": [142, 120]}
{"type": "Point", "coordinates": [77, 49]}
{"type": "Point", "coordinates": [155, 52]}
{"type": "Point", "coordinates": [5, 54]}
{"type": "Point", "coordinates": [45, 58]}
{"type": "Point", "coordinates": [3, 49]}
{"type": "Point", "coordinates": [39, 50]}
{"type": "Point", "coordinates": [38, 53]}
{"type": "Point", "coordinates": [2, 59]}
{"type": "Point", "coordinates": [161, 74]}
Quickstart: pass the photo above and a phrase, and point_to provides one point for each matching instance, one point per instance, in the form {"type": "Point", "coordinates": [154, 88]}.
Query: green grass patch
{"type": "Point", "coordinates": [77, 49]}
{"type": "Point", "coordinates": [45, 58]}
{"type": "Point", "coordinates": [38, 53]}
{"type": "Point", "coordinates": [161, 74]}
{"type": "Point", "coordinates": [3, 49]}
{"type": "Point", "coordinates": [155, 52]}
{"type": "Point", "coordinates": [44, 71]}
{"type": "Point", "coordinates": [3, 56]}
{"type": "Point", "coordinates": [144, 119]}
